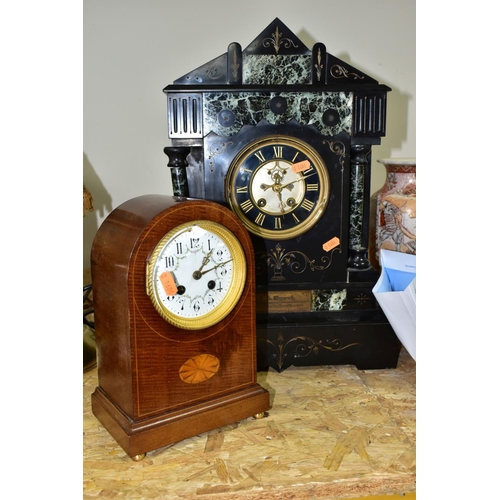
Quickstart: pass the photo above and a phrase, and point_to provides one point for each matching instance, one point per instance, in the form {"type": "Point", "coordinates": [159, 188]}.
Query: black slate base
{"type": "Point", "coordinates": [361, 338]}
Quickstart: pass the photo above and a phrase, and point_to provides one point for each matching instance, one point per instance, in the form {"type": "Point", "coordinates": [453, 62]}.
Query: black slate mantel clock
{"type": "Point", "coordinates": [282, 135]}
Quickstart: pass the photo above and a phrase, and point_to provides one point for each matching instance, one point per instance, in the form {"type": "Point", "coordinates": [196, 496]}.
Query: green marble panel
{"type": "Point", "coordinates": [276, 69]}
{"type": "Point", "coordinates": [249, 108]}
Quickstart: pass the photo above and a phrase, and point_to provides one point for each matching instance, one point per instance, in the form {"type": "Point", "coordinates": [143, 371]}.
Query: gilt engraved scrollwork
{"type": "Point", "coordinates": [318, 65]}
{"type": "Point", "coordinates": [301, 347]}
{"type": "Point", "coordinates": [362, 298]}
{"type": "Point", "coordinates": [213, 72]}
{"type": "Point", "coordinates": [338, 71]}
{"type": "Point", "coordinates": [277, 40]}
{"type": "Point", "coordinates": [297, 262]}
{"type": "Point", "coordinates": [337, 148]}
{"type": "Point", "coordinates": [215, 150]}
{"type": "Point", "coordinates": [235, 66]}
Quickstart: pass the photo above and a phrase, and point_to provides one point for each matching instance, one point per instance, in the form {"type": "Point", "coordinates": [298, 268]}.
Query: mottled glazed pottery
{"type": "Point", "coordinates": [393, 210]}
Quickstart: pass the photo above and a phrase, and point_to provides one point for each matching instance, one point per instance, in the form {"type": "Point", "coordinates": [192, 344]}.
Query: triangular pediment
{"type": "Point", "coordinates": [276, 39]}
{"type": "Point", "coordinates": [277, 58]}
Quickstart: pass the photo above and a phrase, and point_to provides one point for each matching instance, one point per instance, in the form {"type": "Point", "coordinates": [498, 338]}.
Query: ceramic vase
{"type": "Point", "coordinates": [393, 211]}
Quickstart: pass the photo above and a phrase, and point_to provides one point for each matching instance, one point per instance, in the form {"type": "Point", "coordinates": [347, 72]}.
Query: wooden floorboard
{"type": "Point", "coordinates": [331, 432]}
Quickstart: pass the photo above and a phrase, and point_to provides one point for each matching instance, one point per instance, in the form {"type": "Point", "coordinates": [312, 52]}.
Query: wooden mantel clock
{"type": "Point", "coordinates": [174, 307]}
{"type": "Point", "coordinates": [282, 136]}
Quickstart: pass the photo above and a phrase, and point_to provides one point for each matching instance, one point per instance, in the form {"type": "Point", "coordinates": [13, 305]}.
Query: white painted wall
{"type": "Point", "coordinates": [134, 48]}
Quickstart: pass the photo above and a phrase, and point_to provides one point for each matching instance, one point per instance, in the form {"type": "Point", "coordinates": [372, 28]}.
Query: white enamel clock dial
{"type": "Point", "coordinates": [196, 274]}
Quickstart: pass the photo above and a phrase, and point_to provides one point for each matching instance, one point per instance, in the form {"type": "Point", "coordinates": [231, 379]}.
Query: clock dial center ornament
{"type": "Point", "coordinates": [287, 191]}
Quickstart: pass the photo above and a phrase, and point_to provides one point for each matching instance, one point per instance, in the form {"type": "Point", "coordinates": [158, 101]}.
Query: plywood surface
{"type": "Point", "coordinates": [332, 432]}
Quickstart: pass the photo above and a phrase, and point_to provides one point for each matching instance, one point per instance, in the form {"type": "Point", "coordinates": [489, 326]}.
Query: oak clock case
{"type": "Point", "coordinates": [282, 135]}
{"type": "Point", "coordinates": [174, 295]}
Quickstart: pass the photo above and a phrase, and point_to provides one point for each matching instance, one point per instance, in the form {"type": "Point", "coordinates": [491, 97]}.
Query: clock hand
{"type": "Point", "coordinates": [276, 186]}
{"type": "Point", "coordinates": [206, 260]}
{"type": "Point", "coordinates": [215, 267]}
{"type": "Point", "coordinates": [281, 202]}
{"type": "Point", "coordinates": [279, 187]}
{"type": "Point", "coordinates": [297, 180]}
{"type": "Point", "coordinates": [198, 274]}
{"type": "Point", "coordinates": [277, 176]}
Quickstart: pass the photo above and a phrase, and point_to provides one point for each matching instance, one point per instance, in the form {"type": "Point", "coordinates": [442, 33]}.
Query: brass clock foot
{"type": "Point", "coordinates": [138, 458]}
{"type": "Point", "coordinates": [260, 415]}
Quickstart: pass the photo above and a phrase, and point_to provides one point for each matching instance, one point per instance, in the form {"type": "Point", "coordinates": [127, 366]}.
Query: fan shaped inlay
{"type": "Point", "coordinates": [199, 369]}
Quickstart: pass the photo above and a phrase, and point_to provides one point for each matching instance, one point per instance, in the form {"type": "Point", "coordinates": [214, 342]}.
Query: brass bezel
{"type": "Point", "coordinates": [323, 181]}
{"type": "Point", "coordinates": [235, 289]}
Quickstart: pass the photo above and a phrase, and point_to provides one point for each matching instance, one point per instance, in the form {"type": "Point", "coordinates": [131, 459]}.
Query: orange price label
{"type": "Point", "coordinates": [167, 280]}
{"type": "Point", "coordinates": [334, 242]}
{"type": "Point", "coordinates": [301, 166]}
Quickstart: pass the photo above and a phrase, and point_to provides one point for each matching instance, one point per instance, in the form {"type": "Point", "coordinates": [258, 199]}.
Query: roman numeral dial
{"type": "Point", "coordinates": [278, 186]}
